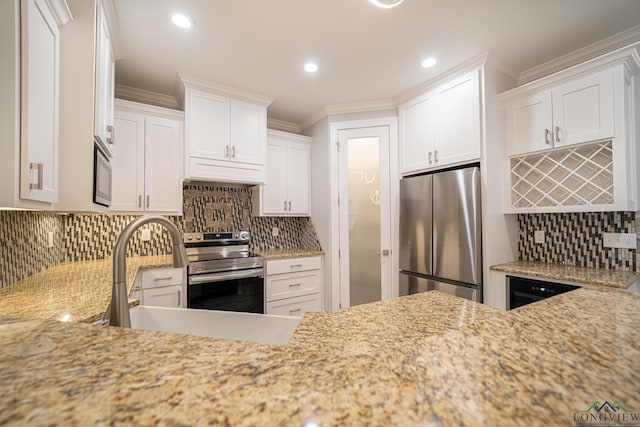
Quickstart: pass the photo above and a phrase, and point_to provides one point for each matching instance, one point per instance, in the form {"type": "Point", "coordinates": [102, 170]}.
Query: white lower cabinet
{"type": "Point", "coordinates": [161, 287]}
{"type": "Point", "coordinates": [293, 286]}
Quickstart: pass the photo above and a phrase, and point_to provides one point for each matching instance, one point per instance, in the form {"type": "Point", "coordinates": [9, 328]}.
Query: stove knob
{"type": "Point", "coordinates": [189, 237]}
{"type": "Point", "coordinates": [244, 235]}
{"type": "Point", "coordinates": [198, 237]}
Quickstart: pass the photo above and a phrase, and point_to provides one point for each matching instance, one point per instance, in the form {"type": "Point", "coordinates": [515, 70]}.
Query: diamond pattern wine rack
{"type": "Point", "coordinates": [571, 176]}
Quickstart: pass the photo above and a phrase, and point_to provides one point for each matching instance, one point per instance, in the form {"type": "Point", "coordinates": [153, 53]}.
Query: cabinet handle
{"type": "Point", "coordinates": [293, 285]}
{"type": "Point", "coordinates": [35, 174]}
{"type": "Point", "coordinates": [111, 138]}
{"type": "Point", "coordinates": [179, 298]}
{"type": "Point", "coordinates": [435, 156]}
{"type": "Point", "coordinates": [430, 157]}
{"type": "Point", "coordinates": [139, 200]}
{"type": "Point", "coordinates": [546, 136]}
{"type": "Point", "coordinates": [557, 133]}
{"type": "Point", "coordinates": [226, 151]}
{"type": "Point", "coordinates": [289, 206]}
{"type": "Point", "coordinates": [285, 205]}
{"type": "Point", "coordinates": [295, 310]}
{"type": "Point", "coordinates": [157, 279]}
{"type": "Point", "coordinates": [148, 201]}
{"type": "Point", "coordinates": [233, 152]}
{"type": "Point", "coordinates": [295, 266]}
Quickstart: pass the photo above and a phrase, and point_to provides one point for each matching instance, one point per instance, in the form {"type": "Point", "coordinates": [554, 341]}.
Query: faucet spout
{"type": "Point", "coordinates": [119, 313]}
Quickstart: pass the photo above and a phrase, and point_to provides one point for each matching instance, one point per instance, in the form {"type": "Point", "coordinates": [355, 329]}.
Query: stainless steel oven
{"type": "Point", "coordinates": [223, 274]}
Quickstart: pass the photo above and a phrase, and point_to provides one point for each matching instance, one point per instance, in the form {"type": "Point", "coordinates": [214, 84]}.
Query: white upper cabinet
{"type": "Point", "coordinates": [575, 112]}
{"type": "Point", "coordinates": [288, 187]}
{"type": "Point", "coordinates": [147, 171]}
{"type": "Point", "coordinates": [226, 133]}
{"type": "Point", "coordinates": [442, 126]}
{"type": "Point", "coordinates": [571, 143]}
{"type": "Point", "coordinates": [30, 57]}
{"type": "Point", "coordinates": [105, 78]}
{"type": "Point", "coordinates": [86, 102]}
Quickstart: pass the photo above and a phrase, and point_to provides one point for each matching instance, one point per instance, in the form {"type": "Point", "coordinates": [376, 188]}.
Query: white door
{"type": "Point", "coordinates": [274, 192]}
{"type": "Point", "coordinates": [365, 215]}
{"type": "Point", "coordinates": [248, 137]}
{"type": "Point", "coordinates": [298, 187]}
{"type": "Point", "coordinates": [207, 119]}
{"type": "Point", "coordinates": [416, 134]}
{"type": "Point", "coordinates": [128, 162]}
{"type": "Point", "coordinates": [529, 124]}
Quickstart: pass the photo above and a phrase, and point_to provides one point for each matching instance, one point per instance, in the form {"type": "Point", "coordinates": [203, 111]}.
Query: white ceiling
{"type": "Point", "coordinates": [364, 53]}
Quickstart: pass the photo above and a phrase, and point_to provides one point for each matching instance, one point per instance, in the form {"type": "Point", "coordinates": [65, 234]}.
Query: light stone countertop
{"type": "Point", "coordinates": [423, 359]}
{"type": "Point", "coordinates": [582, 275]}
{"type": "Point", "coordinates": [288, 253]}
{"type": "Point", "coordinates": [79, 291]}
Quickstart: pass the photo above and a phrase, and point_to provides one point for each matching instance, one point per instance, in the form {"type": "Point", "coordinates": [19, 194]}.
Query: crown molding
{"type": "Point", "coordinates": [146, 97]}
{"type": "Point", "coordinates": [617, 41]}
{"type": "Point", "coordinates": [125, 105]}
{"type": "Point", "coordinates": [223, 90]}
{"type": "Point", "coordinates": [282, 125]}
{"type": "Point", "coordinates": [275, 133]}
{"type": "Point", "coordinates": [355, 107]}
{"type": "Point", "coordinates": [61, 11]}
{"type": "Point", "coordinates": [114, 30]}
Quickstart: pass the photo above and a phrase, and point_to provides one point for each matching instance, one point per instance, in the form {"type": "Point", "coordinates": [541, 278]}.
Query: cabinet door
{"type": "Point", "coordinates": [583, 110]}
{"type": "Point", "coordinates": [248, 133]}
{"type": "Point", "coordinates": [104, 86]}
{"type": "Point", "coordinates": [128, 163]}
{"type": "Point", "coordinates": [274, 192]}
{"type": "Point", "coordinates": [207, 117]}
{"type": "Point", "coordinates": [163, 171]}
{"type": "Point", "coordinates": [529, 123]}
{"type": "Point", "coordinates": [416, 134]}
{"type": "Point", "coordinates": [457, 120]}
{"type": "Point", "coordinates": [40, 41]}
{"type": "Point", "coordinates": [298, 178]}
{"type": "Point", "coordinates": [170, 296]}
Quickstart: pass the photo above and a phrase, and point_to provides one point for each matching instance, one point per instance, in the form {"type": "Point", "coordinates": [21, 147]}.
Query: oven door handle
{"type": "Point", "coordinates": [220, 277]}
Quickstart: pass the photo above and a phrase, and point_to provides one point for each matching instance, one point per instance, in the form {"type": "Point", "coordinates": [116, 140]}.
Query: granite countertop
{"type": "Point", "coordinates": [78, 291]}
{"type": "Point", "coordinates": [582, 275]}
{"type": "Point", "coordinates": [288, 253]}
{"type": "Point", "coordinates": [424, 359]}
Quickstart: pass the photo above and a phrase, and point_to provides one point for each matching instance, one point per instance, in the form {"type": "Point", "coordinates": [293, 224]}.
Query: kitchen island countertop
{"type": "Point", "coordinates": [423, 359]}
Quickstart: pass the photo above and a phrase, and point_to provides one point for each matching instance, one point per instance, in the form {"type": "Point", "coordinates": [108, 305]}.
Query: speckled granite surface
{"type": "Point", "coordinates": [425, 359]}
{"type": "Point", "coordinates": [584, 275]}
{"type": "Point", "coordinates": [81, 290]}
{"type": "Point", "coordinates": [288, 253]}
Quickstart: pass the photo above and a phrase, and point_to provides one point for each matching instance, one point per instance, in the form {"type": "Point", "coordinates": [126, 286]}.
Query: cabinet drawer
{"type": "Point", "coordinates": [159, 277]}
{"type": "Point", "coordinates": [295, 306]}
{"type": "Point", "coordinates": [291, 265]}
{"type": "Point", "coordinates": [168, 296]}
{"type": "Point", "coordinates": [292, 285]}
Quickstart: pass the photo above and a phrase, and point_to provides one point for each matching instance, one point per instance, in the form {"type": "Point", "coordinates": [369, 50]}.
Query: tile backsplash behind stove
{"type": "Point", "coordinates": [24, 247]}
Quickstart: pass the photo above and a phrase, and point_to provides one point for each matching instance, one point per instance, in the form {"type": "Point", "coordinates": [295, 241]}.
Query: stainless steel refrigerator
{"type": "Point", "coordinates": [440, 233]}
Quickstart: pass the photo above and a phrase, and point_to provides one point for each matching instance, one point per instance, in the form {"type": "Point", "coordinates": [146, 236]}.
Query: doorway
{"type": "Point", "coordinates": [366, 191]}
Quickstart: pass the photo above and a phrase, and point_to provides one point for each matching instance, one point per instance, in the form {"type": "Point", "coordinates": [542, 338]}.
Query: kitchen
{"type": "Point", "coordinates": [344, 360]}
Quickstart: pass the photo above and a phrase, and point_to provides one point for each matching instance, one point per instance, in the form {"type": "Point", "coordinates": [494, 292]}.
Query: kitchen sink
{"type": "Point", "coordinates": [259, 328]}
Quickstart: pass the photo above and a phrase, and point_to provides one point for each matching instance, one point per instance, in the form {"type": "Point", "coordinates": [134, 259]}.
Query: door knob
{"type": "Point", "coordinates": [384, 252]}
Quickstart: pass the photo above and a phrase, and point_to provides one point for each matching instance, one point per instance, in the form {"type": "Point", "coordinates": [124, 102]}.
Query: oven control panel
{"type": "Point", "coordinates": [242, 236]}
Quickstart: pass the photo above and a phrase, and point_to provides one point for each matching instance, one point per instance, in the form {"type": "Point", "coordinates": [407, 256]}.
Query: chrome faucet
{"type": "Point", "coordinates": [119, 311]}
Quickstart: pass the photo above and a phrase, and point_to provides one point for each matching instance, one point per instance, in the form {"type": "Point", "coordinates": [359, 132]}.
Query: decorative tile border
{"type": "Point", "coordinates": [576, 239]}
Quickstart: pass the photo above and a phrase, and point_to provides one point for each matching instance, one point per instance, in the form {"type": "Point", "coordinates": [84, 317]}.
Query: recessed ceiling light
{"type": "Point", "coordinates": [429, 62]}
{"type": "Point", "coordinates": [310, 67]}
{"type": "Point", "coordinates": [386, 4]}
{"type": "Point", "coordinates": [181, 20]}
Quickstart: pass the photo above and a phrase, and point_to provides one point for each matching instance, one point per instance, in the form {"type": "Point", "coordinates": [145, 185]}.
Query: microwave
{"type": "Point", "coordinates": [101, 178]}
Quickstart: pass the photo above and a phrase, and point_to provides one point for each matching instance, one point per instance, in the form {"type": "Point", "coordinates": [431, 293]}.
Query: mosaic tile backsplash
{"type": "Point", "coordinates": [576, 239]}
{"type": "Point", "coordinates": [78, 237]}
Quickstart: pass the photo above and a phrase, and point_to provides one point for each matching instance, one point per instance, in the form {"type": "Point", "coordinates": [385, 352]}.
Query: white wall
{"type": "Point", "coordinates": [499, 231]}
